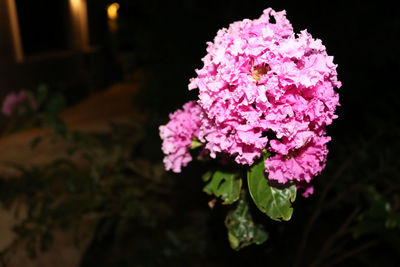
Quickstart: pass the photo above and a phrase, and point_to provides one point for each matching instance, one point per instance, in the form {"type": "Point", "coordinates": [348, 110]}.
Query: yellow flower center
{"type": "Point", "coordinates": [258, 71]}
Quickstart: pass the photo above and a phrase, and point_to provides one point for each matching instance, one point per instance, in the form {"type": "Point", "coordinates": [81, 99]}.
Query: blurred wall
{"type": "Point", "coordinates": [78, 68]}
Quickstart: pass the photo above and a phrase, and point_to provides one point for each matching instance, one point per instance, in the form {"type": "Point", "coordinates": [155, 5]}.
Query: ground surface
{"type": "Point", "coordinates": [93, 114]}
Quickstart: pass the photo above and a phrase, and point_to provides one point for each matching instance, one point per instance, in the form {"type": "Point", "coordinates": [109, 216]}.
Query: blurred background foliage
{"type": "Point", "coordinates": [139, 215]}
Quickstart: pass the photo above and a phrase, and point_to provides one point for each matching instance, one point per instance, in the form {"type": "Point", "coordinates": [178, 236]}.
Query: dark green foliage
{"type": "Point", "coordinates": [224, 185]}
{"type": "Point", "coordinates": [45, 112]}
{"type": "Point", "coordinates": [242, 230]}
{"type": "Point", "coordinates": [105, 183]}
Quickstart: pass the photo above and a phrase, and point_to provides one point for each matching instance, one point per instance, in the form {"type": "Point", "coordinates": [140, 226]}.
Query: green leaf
{"type": "Point", "coordinates": [275, 202]}
{"type": "Point", "coordinates": [393, 221]}
{"type": "Point", "coordinates": [242, 231]}
{"type": "Point", "coordinates": [378, 217]}
{"type": "Point", "coordinates": [224, 185]}
{"type": "Point", "coordinates": [206, 177]}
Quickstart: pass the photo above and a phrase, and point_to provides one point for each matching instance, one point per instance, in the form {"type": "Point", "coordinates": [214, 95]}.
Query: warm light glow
{"type": "Point", "coordinates": [16, 35]}
{"type": "Point", "coordinates": [112, 11]}
{"type": "Point", "coordinates": [79, 23]}
{"type": "Point", "coordinates": [75, 4]}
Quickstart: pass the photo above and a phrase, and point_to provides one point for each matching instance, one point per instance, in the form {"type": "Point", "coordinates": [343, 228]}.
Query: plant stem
{"type": "Point", "coordinates": [344, 228]}
{"type": "Point", "coordinates": [299, 255]}
{"type": "Point", "coordinates": [352, 253]}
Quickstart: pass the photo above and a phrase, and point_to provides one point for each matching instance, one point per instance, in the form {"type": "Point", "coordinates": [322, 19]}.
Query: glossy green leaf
{"type": "Point", "coordinates": [224, 185]}
{"type": "Point", "coordinates": [242, 231]}
{"type": "Point", "coordinates": [275, 202]}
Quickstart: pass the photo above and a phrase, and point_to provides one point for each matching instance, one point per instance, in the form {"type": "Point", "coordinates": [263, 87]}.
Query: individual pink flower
{"type": "Point", "coordinates": [308, 189]}
{"type": "Point", "coordinates": [13, 100]}
{"type": "Point", "coordinates": [178, 134]}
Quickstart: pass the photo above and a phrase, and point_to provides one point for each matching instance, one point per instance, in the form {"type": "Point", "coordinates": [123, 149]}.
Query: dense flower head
{"type": "Point", "coordinates": [13, 100]}
{"type": "Point", "coordinates": [263, 87]}
{"type": "Point", "coordinates": [260, 79]}
{"type": "Point", "coordinates": [178, 134]}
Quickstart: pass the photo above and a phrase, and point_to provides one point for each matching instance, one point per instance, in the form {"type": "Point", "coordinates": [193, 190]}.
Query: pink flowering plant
{"type": "Point", "coordinates": [26, 109]}
{"type": "Point", "coordinates": [265, 98]}
{"type": "Point", "coordinates": [18, 103]}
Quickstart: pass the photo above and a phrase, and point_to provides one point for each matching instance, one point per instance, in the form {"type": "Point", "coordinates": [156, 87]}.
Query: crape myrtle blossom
{"type": "Point", "coordinates": [178, 134]}
{"type": "Point", "coordinates": [264, 87]}
{"type": "Point", "coordinates": [258, 77]}
{"type": "Point", "coordinates": [13, 100]}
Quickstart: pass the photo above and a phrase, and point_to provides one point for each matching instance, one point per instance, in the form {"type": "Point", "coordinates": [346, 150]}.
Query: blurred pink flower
{"type": "Point", "coordinates": [14, 100]}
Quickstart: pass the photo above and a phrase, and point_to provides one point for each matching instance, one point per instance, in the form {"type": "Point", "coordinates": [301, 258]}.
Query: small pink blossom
{"type": "Point", "coordinates": [178, 134]}
{"type": "Point", "coordinates": [308, 189]}
{"type": "Point", "coordinates": [13, 100]}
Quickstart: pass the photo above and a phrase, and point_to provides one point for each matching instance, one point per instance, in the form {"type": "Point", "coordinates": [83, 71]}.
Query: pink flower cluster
{"type": "Point", "coordinates": [178, 135]}
{"type": "Point", "coordinates": [14, 100]}
{"type": "Point", "coordinates": [263, 87]}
